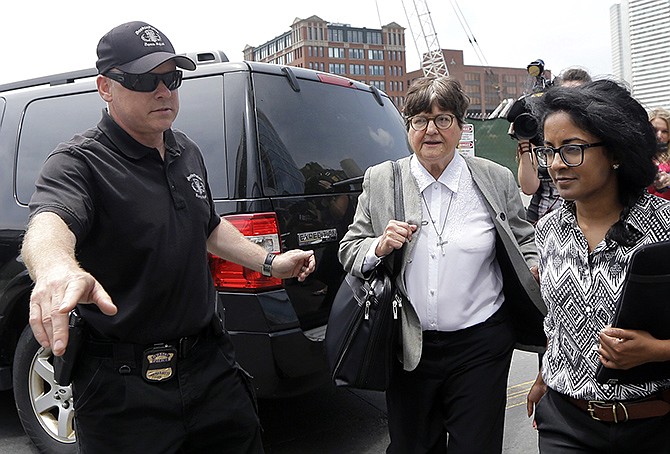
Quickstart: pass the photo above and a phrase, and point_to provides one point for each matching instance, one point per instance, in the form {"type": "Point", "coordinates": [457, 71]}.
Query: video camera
{"type": "Point", "coordinates": [523, 125]}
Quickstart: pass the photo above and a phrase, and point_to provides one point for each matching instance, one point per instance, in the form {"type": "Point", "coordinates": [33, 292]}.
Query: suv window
{"type": "Point", "coordinates": [321, 128]}
{"type": "Point", "coordinates": [48, 122]}
{"type": "Point", "coordinates": [201, 118]}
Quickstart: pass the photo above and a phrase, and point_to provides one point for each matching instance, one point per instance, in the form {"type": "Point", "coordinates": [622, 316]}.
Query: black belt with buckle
{"type": "Point", "coordinates": [622, 411]}
{"type": "Point", "coordinates": [105, 349]}
{"type": "Point", "coordinates": [158, 360]}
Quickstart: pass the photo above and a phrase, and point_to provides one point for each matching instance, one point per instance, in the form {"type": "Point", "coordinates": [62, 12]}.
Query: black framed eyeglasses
{"type": "Point", "coordinates": [572, 154]}
{"type": "Point", "coordinates": [442, 121]}
{"type": "Point", "coordinates": [147, 82]}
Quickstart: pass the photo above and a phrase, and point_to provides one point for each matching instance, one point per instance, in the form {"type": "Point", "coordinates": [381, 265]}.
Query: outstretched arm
{"type": "Point", "coordinates": [228, 243]}
{"type": "Point", "coordinates": [60, 283]}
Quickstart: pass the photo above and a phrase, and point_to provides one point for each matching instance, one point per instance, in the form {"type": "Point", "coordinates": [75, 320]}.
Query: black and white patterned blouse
{"type": "Point", "coordinates": [580, 290]}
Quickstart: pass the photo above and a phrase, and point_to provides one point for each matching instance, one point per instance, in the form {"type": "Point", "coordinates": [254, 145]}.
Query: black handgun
{"type": "Point", "coordinates": [63, 365]}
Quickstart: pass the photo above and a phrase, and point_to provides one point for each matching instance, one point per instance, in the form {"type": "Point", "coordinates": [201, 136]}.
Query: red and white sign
{"type": "Point", "coordinates": [466, 145]}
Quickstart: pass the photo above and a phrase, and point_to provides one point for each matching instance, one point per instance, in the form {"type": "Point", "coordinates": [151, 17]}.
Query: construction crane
{"type": "Point", "coordinates": [423, 34]}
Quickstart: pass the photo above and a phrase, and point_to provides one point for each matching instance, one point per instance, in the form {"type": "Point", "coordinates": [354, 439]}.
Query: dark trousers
{"type": "Point", "coordinates": [207, 407]}
{"type": "Point", "coordinates": [454, 401]}
{"type": "Point", "coordinates": [564, 428]}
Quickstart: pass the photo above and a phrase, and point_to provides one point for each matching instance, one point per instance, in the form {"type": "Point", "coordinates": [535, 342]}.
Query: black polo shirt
{"type": "Point", "coordinates": [141, 225]}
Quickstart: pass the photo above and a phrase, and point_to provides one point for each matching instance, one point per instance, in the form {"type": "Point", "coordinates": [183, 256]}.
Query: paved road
{"type": "Point", "coordinates": [332, 420]}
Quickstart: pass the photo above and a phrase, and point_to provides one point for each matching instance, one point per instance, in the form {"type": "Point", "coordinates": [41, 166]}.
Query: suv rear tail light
{"type": "Point", "coordinates": [262, 229]}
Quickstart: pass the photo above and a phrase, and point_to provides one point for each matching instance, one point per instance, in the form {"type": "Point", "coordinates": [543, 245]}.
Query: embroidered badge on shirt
{"type": "Point", "coordinates": [198, 185]}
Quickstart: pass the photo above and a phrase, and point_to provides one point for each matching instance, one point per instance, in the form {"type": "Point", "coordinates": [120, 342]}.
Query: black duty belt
{"type": "Point", "coordinates": [155, 362]}
{"type": "Point", "coordinates": [105, 349]}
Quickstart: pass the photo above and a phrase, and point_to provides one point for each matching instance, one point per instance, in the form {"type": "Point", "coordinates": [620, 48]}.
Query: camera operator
{"type": "Point", "coordinates": [535, 181]}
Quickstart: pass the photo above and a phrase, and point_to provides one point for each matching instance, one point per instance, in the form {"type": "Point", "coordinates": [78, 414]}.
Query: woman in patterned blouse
{"type": "Point", "coordinates": [599, 148]}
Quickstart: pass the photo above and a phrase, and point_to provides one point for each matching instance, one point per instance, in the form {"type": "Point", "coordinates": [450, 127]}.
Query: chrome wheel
{"type": "Point", "coordinates": [52, 403]}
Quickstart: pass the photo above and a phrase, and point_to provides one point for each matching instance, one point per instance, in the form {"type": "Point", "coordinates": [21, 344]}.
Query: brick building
{"type": "Point", "coordinates": [377, 57]}
{"type": "Point", "coordinates": [373, 56]}
{"type": "Point", "coordinates": [486, 86]}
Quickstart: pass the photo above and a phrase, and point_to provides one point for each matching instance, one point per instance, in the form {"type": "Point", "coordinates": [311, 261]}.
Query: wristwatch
{"type": "Point", "coordinates": [267, 265]}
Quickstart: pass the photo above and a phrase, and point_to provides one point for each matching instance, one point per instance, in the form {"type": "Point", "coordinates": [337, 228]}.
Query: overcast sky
{"type": "Point", "coordinates": [41, 37]}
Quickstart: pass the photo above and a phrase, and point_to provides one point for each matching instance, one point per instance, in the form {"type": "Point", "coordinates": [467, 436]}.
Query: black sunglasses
{"type": "Point", "coordinates": [147, 82]}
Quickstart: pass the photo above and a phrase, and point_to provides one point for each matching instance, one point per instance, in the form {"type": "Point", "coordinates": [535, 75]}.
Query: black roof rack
{"type": "Point", "coordinates": [56, 79]}
{"type": "Point", "coordinates": [217, 56]}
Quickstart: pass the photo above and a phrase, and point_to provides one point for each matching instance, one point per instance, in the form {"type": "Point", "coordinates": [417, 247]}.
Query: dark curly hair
{"type": "Point", "coordinates": [606, 109]}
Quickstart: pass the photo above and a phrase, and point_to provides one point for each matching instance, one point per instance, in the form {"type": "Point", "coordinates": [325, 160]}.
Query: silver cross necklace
{"type": "Point", "coordinates": [440, 242]}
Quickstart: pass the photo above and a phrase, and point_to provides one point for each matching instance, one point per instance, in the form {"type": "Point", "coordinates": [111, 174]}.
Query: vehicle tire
{"type": "Point", "coordinates": [44, 407]}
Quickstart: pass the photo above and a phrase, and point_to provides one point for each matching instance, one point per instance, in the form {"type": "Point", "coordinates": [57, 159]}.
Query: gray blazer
{"type": "Point", "coordinates": [515, 246]}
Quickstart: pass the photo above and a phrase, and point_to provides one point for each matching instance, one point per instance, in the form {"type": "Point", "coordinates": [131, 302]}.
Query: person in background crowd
{"type": "Point", "coordinates": [121, 222]}
{"type": "Point", "coordinates": [464, 280]}
{"type": "Point", "coordinates": [660, 120]}
{"type": "Point", "coordinates": [599, 147]}
{"type": "Point", "coordinates": [533, 180]}
{"type": "Point", "coordinates": [572, 77]}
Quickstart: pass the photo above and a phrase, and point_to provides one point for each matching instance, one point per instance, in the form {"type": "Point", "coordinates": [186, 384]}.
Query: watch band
{"type": "Point", "coordinates": [266, 270]}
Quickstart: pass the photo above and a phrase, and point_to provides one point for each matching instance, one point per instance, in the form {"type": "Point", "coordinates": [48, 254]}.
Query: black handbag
{"type": "Point", "coordinates": [364, 323]}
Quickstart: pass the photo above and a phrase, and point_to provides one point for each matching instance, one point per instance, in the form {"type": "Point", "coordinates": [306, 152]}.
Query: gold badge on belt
{"type": "Point", "coordinates": [159, 363]}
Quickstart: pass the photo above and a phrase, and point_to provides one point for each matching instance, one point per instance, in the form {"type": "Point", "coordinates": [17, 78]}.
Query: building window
{"type": "Point", "coordinates": [380, 84]}
{"type": "Point", "coordinates": [471, 78]}
{"type": "Point", "coordinates": [356, 54]}
{"type": "Point", "coordinates": [355, 36]}
{"type": "Point", "coordinates": [335, 52]}
{"type": "Point", "coordinates": [375, 54]}
{"type": "Point", "coordinates": [336, 68]}
{"type": "Point", "coordinates": [374, 37]}
{"type": "Point", "coordinates": [335, 35]}
{"type": "Point", "coordinates": [358, 70]}
{"type": "Point", "coordinates": [376, 70]}
{"type": "Point", "coordinates": [471, 89]}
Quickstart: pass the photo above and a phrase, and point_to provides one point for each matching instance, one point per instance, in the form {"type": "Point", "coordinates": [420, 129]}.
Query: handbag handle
{"type": "Point", "coordinates": [399, 214]}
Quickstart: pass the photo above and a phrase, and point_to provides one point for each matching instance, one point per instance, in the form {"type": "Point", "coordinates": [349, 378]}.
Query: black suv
{"type": "Point", "coordinates": [285, 149]}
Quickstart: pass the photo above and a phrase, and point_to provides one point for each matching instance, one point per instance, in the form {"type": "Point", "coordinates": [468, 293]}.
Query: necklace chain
{"type": "Point", "coordinates": [440, 243]}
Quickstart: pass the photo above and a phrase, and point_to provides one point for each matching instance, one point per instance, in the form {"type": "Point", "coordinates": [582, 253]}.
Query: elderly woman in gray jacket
{"type": "Point", "coordinates": [469, 294]}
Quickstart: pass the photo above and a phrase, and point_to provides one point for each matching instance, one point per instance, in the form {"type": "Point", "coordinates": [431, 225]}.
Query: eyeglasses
{"type": "Point", "coordinates": [442, 121]}
{"type": "Point", "coordinates": [147, 82]}
{"type": "Point", "coordinates": [572, 154]}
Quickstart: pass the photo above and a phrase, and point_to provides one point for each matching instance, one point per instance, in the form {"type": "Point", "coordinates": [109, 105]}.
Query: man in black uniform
{"type": "Point", "coordinates": [121, 222]}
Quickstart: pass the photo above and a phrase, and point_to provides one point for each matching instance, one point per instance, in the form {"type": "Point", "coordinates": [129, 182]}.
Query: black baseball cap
{"type": "Point", "coordinates": [137, 48]}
